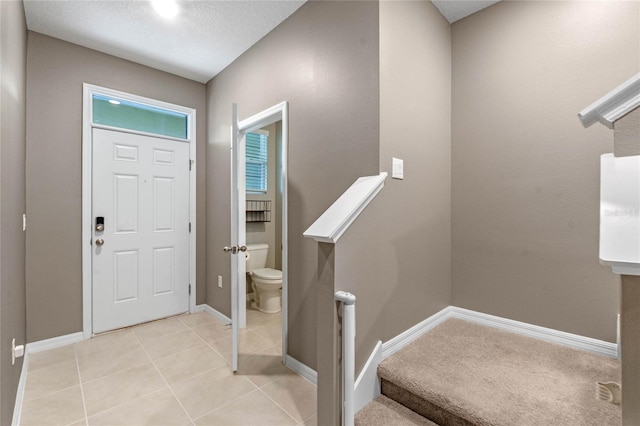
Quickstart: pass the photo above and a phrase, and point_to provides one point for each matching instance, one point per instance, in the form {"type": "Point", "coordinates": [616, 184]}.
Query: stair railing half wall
{"type": "Point", "coordinates": [335, 357]}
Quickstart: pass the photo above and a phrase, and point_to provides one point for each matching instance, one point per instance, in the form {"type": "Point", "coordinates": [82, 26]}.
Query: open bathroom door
{"type": "Point", "coordinates": [238, 235]}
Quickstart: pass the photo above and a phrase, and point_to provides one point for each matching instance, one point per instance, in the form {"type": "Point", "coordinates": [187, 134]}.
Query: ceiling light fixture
{"type": "Point", "coordinates": [166, 8]}
{"type": "Point", "coordinates": [114, 102]}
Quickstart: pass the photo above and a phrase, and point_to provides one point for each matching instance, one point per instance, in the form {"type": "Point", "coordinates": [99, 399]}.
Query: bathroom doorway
{"type": "Point", "coordinates": [263, 228]}
{"type": "Point", "coordinates": [273, 204]}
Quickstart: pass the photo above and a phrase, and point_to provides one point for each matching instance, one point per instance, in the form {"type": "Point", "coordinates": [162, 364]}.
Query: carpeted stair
{"type": "Point", "coordinates": [385, 411]}
{"type": "Point", "coordinates": [462, 373]}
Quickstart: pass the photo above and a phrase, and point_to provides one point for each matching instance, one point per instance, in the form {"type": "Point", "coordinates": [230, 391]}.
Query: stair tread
{"type": "Point", "coordinates": [387, 412]}
{"type": "Point", "coordinates": [482, 375]}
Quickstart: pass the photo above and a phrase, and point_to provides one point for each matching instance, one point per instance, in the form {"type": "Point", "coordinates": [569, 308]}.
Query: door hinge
{"type": "Point", "coordinates": [189, 226]}
{"type": "Point", "coordinates": [189, 289]}
{"type": "Point", "coordinates": [190, 164]}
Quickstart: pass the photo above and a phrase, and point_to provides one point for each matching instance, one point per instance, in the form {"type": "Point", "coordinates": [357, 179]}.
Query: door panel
{"type": "Point", "coordinates": [237, 235]}
{"type": "Point", "coordinates": [126, 203]}
{"type": "Point", "coordinates": [141, 188]}
{"type": "Point", "coordinates": [125, 270]}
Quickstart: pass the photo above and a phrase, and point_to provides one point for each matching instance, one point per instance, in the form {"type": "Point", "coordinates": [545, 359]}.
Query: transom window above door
{"type": "Point", "coordinates": [114, 112]}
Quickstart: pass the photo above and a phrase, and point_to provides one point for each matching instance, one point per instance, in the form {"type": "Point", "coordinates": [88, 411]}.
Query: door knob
{"type": "Point", "coordinates": [99, 242]}
{"type": "Point", "coordinates": [234, 249]}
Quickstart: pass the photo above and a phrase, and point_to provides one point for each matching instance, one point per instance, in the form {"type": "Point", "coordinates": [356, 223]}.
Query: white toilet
{"type": "Point", "coordinates": [266, 282]}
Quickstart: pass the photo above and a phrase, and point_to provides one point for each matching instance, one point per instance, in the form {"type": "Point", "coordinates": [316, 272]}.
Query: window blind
{"type": "Point", "coordinates": [256, 162]}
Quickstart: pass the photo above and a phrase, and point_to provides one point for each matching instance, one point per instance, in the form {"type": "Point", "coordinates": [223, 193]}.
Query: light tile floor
{"type": "Point", "coordinates": [174, 371]}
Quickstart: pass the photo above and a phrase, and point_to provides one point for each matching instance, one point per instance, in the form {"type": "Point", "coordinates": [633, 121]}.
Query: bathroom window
{"type": "Point", "coordinates": [256, 161]}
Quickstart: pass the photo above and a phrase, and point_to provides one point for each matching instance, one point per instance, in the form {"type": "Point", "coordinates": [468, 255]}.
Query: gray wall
{"type": "Point", "coordinates": [397, 256]}
{"type": "Point", "coordinates": [56, 71]}
{"type": "Point", "coordinates": [13, 51]}
{"type": "Point", "coordinates": [525, 171]}
{"type": "Point", "coordinates": [323, 60]}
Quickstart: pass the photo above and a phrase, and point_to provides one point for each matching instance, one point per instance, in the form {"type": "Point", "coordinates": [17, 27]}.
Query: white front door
{"type": "Point", "coordinates": [140, 259]}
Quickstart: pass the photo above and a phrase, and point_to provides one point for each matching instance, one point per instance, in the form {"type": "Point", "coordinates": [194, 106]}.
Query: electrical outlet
{"type": "Point", "coordinates": [220, 281]}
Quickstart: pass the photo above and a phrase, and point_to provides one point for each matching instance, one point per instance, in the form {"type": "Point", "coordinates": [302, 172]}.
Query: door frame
{"type": "Point", "coordinates": [88, 90]}
{"type": "Point", "coordinates": [279, 112]}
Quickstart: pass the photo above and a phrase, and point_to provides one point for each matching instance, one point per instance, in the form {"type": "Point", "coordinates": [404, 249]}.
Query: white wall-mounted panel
{"type": "Point", "coordinates": [620, 213]}
{"type": "Point", "coordinates": [125, 275]}
{"type": "Point", "coordinates": [126, 203]}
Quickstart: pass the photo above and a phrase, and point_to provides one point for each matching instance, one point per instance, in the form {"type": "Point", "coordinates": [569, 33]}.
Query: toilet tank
{"type": "Point", "coordinates": [256, 256]}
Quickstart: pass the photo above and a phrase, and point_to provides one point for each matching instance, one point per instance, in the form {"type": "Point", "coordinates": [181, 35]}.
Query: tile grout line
{"type": "Point", "coordinates": [272, 400]}
{"type": "Point", "coordinates": [165, 380]}
{"type": "Point", "coordinates": [230, 402]}
{"type": "Point", "coordinates": [305, 420]}
{"type": "Point", "coordinates": [84, 403]}
{"type": "Point", "coordinates": [141, 345]}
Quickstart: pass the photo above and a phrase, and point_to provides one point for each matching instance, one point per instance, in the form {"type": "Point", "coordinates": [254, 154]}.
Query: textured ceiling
{"type": "Point", "coordinates": [201, 41]}
{"type": "Point", "coordinates": [205, 37]}
{"type": "Point", "coordinates": [454, 10]}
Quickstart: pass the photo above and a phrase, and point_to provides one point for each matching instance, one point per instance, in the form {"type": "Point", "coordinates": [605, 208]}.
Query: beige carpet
{"type": "Point", "coordinates": [383, 411]}
{"type": "Point", "coordinates": [475, 375]}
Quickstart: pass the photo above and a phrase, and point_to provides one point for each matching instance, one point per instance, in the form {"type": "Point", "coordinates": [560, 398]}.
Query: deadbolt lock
{"type": "Point", "coordinates": [100, 223]}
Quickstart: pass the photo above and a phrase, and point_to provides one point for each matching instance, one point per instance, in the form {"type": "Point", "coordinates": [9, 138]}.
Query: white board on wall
{"type": "Point", "coordinates": [620, 213]}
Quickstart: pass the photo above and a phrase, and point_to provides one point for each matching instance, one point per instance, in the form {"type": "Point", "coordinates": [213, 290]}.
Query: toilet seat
{"type": "Point", "coordinates": [267, 274]}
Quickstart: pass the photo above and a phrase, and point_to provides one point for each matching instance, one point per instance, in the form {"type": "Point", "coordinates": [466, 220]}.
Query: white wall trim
{"type": "Point", "coordinates": [575, 341]}
{"type": "Point", "coordinates": [614, 105]}
{"type": "Point", "coordinates": [367, 386]}
{"type": "Point", "coordinates": [366, 389]}
{"type": "Point", "coordinates": [302, 369]}
{"type": "Point", "coordinates": [87, 220]}
{"type": "Point", "coordinates": [17, 407]}
{"type": "Point", "coordinates": [54, 342]}
{"type": "Point", "coordinates": [214, 313]}
{"type": "Point", "coordinates": [334, 222]}
{"type": "Point", "coordinates": [403, 339]}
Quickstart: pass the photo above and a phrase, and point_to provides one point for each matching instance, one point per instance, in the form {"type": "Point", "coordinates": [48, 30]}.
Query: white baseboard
{"type": "Point", "coordinates": [403, 339]}
{"type": "Point", "coordinates": [34, 347]}
{"type": "Point", "coordinates": [216, 314]}
{"type": "Point", "coordinates": [367, 386]}
{"type": "Point", "coordinates": [302, 369]}
{"type": "Point", "coordinates": [17, 407]}
{"type": "Point", "coordinates": [575, 341]}
{"type": "Point", "coordinates": [366, 389]}
{"type": "Point", "coordinates": [54, 342]}
{"type": "Point", "coordinates": [292, 363]}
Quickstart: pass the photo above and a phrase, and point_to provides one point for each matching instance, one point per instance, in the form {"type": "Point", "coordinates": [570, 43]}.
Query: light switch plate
{"type": "Point", "coordinates": [397, 168]}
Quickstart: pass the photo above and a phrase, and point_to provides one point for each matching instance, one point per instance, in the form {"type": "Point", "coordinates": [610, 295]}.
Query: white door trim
{"type": "Point", "coordinates": [87, 113]}
{"type": "Point", "coordinates": [279, 112]}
